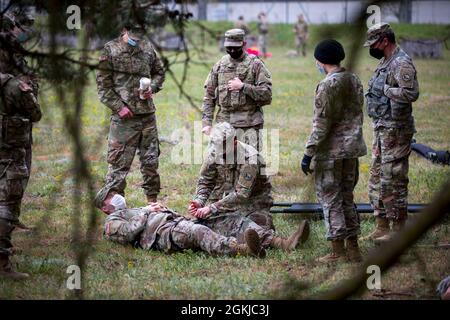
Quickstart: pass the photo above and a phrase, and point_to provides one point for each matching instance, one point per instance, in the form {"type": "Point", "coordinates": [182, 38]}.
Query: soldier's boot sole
{"type": "Point", "coordinates": [332, 258]}
{"type": "Point", "coordinates": [254, 244]}
{"type": "Point", "coordinates": [377, 233]}
{"type": "Point", "coordinates": [13, 275]}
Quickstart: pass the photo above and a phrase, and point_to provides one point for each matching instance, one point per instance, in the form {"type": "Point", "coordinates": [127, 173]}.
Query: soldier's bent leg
{"type": "Point", "coordinates": [265, 234]}
{"type": "Point", "coordinates": [349, 180]}
{"type": "Point", "coordinates": [190, 235]}
{"type": "Point", "coordinates": [264, 220]}
{"type": "Point", "coordinates": [149, 156]}
{"type": "Point", "coordinates": [123, 140]}
{"type": "Point", "coordinates": [328, 180]}
{"type": "Point", "coordinates": [375, 179]}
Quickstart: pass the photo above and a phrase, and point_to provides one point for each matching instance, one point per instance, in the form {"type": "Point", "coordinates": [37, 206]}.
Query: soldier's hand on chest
{"type": "Point", "coordinates": [235, 84]}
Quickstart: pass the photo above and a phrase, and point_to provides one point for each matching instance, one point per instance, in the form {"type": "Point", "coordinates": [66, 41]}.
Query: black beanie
{"type": "Point", "coordinates": [329, 52]}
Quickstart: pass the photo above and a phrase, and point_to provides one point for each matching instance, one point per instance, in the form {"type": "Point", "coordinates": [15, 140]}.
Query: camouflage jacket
{"type": "Point", "coordinates": [240, 108]}
{"type": "Point", "coordinates": [239, 186]}
{"type": "Point", "coordinates": [242, 25]}
{"type": "Point", "coordinates": [263, 27]}
{"type": "Point", "coordinates": [338, 118]}
{"type": "Point", "coordinates": [301, 29]}
{"type": "Point", "coordinates": [18, 108]}
{"type": "Point", "coordinates": [121, 67]}
{"type": "Point", "coordinates": [392, 89]}
{"type": "Point", "coordinates": [137, 226]}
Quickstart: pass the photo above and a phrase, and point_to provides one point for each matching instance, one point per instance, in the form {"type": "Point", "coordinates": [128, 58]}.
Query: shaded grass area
{"type": "Point", "coordinates": [116, 272]}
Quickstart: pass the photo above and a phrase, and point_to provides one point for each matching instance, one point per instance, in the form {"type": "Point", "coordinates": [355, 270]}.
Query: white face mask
{"type": "Point", "coordinates": [118, 202]}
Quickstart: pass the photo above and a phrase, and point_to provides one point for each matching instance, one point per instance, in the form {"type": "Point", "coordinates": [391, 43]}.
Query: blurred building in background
{"type": "Point", "coordinates": [321, 11]}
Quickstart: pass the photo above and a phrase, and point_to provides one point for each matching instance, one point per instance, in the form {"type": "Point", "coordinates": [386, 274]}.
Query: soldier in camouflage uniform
{"type": "Point", "coordinates": [240, 85]}
{"type": "Point", "coordinates": [233, 178]}
{"type": "Point", "coordinates": [123, 62]}
{"type": "Point", "coordinates": [263, 30]}
{"type": "Point", "coordinates": [232, 184]}
{"type": "Point", "coordinates": [392, 89]}
{"type": "Point", "coordinates": [158, 228]}
{"type": "Point", "coordinates": [335, 143]}
{"type": "Point", "coordinates": [18, 110]}
{"type": "Point", "coordinates": [241, 24]}
{"type": "Point", "coordinates": [301, 35]}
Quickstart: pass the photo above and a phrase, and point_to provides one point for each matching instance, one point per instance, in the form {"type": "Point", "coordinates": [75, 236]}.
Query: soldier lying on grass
{"type": "Point", "coordinates": [159, 228]}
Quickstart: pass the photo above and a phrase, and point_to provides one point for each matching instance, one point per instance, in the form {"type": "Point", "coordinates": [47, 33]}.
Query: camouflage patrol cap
{"type": "Point", "coordinates": [375, 32]}
{"type": "Point", "coordinates": [222, 132]}
{"type": "Point", "coordinates": [234, 38]}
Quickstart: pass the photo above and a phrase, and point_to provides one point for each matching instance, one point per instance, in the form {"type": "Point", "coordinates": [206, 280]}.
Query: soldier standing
{"type": "Point", "coordinates": [392, 89]}
{"type": "Point", "coordinates": [335, 143]}
{"type": "Point", "coordinates": [301, 35]}
{"type": "Point", "coordinates": [123, 63]}
{"type": "Point", "coordinates": [240, 85]}
{"type": "Point", "coordinates": [18, 110]}
{"type": "Point", "coordinates": [263, 30]}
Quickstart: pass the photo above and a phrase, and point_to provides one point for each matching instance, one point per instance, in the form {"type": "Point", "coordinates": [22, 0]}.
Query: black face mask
{"type": "Point", "coordinates": [376, 53]}
{"type": "Point", "coordinates": [235, 53]}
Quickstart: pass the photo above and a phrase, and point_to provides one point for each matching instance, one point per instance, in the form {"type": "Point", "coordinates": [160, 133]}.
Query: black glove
{"type": "Point", "coordinates": [306, 162]}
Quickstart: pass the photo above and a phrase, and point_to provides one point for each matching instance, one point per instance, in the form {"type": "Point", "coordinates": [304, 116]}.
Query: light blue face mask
{"type": "Point", "coordinates": [321, 69]}
{"type": "Point", "coordinates": [131, 42]}
{"type": "Point", "coordinates": [24, 35]}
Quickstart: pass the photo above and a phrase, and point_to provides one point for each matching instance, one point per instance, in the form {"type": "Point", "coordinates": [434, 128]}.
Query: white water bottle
{"type": "Point", "coordinates": [144, 84]}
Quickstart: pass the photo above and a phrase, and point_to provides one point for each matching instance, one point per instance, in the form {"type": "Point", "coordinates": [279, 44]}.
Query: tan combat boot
{"type": "Point", "coordinates": [397, 225]}
{"type": "Point", "coordinates": [353, 252]}
{"type": "Point", "coordinates": [337, 254]}
{"type": "Point", "coordinates": [291, 243]}
{"type": "Point", "coordinates": [252, 246]}
{"type": "Point", "coordinates": [6, 270]}
{"type": "Point", "coordinates": [20, 227]}
{"type": "Point", "coordinates": [382, 228]}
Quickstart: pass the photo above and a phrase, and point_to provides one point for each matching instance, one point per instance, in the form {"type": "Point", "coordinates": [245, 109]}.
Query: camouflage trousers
{"type": "Point", "coordinates": [126, 136]}
{"type": "Point", "coordinates": [257, 209]}
{"type": "Point", "coordinates": [184, 234]}
{"type": "Point", "coordinates": [335, 181]}
{"type": "Point", "coordinates": [262, 43]}
{"type": "Point", "coordinates": [234, 225]}
{"type": "Point", "coordinates": [300, 42]}
{"type": "Point", "coordinates": [14, 175]}
{"type": "Point", "coordinates": [388, 182]}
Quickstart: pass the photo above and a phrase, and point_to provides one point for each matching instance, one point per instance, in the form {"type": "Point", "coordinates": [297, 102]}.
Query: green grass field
{"type": "Point", "coordinates": [117, 272]}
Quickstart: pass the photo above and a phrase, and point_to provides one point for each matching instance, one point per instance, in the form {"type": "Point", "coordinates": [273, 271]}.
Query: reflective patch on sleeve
{"type": "Point", "coordinates": [247, 176]}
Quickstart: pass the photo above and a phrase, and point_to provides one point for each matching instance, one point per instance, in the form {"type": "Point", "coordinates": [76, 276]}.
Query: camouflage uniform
{"type": "Point", "coordinates": [336, 142]}
{"type": "Point", "coordinates": [263, 30]}
{"type": "Point", "coordinates": [243, 108]}
{"type": "Point", "coordinates": [236, 186]}
{"type": "Point", "coordinates": [18, 110]}
{"type": "Point", "coordinates": [121, 67]}
{"type": "Point", "coordinates": [392, 89]}
{"type": "Point", "coordinates": [240, 24]}
{"type": "Point", "coordinates": [170, 232]}
{"type": "Point", "coordinates": [301, 35]}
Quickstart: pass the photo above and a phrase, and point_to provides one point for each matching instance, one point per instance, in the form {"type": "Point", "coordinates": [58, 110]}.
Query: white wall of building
{"type": "Point", "coordinates": [322, 12]}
